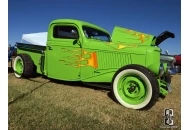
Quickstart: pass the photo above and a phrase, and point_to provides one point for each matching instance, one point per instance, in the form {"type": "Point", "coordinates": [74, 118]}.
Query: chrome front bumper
{"type": "Point", "coordinates": [169, 87]}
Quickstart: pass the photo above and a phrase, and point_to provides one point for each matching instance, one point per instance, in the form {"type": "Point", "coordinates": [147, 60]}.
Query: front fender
{"type": "Point", "coordinates": [154, 68]}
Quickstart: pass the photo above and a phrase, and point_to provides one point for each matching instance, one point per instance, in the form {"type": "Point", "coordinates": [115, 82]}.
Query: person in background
{"type": "Point", "coordinates": [11, 52]}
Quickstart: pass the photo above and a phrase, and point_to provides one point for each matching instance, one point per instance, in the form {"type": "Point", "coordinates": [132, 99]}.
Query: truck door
{"type": "Point", "coordinates": [63, 52]}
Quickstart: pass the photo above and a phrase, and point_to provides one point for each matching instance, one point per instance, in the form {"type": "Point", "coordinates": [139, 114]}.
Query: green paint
{"type": "Point", "coordinates": [35, 57]}
{"type": "Point", "coordinates": [163, 87]}
{"type": "Point", "coordinates": [92, 60]}
{"type": "Point", "coordinates": [86, 56]}
{"type": "Point", "coordinates": [163, 91]}
{"type": "Point", "coordinates": [19, 67]}
{"type": "Point", "coordinates": [165, 67]}
{"type": "Point", "coordinates": [131, 37]}
{"type": "Point", "coordinates": [131, 89]}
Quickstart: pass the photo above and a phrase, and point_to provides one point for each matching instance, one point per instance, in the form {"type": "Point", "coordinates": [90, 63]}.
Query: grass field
{"type": "Point", "coordinates": [41, 104]}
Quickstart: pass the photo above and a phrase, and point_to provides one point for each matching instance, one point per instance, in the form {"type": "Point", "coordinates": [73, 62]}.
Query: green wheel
{"type": "Point", "coordinates": [23, 66]}
{"type": "Point", "coordinates": [18, 66]}
{"type": "Point", "coordinates": [135, 87]}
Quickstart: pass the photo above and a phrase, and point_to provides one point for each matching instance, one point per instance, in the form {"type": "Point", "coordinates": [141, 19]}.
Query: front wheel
{"type": "Point", "coordinates": [135, 87]}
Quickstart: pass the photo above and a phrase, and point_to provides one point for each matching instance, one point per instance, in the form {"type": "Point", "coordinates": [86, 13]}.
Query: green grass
{"type": "Point", "coordinates": [61, 106]}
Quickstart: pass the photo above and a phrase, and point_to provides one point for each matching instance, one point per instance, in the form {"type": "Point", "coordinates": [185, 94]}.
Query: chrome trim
{"type": "Point", "coordinates": [172, 64]}
{"type": "Point", "coordinates": [169, 87]}
{"type": "Point", "coordinates": [161, 70]}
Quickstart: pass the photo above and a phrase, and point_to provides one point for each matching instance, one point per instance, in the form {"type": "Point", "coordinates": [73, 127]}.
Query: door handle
{"type": "Point", "coordinates": [49, 47]}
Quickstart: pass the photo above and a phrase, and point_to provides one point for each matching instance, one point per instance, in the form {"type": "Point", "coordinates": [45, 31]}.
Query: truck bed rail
{"type": "Point", "coordinates": [30, 47]}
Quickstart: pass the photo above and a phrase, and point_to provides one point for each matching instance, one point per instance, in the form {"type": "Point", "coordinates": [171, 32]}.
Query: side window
{"type": "Point", "coordinates": [92, 33]}
{"type": "Point", "coordinates": [65, 32]}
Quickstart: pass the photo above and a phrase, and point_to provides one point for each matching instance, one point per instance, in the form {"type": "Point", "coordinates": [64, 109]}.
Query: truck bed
{"type": "Point", "coordinates": [36, 52]}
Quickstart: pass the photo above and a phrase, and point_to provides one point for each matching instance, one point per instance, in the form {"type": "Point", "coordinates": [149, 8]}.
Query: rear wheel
{"type": "Point", "coordinates": [23, 66]}
{"type": "Point", "coordinates": [135, 87]}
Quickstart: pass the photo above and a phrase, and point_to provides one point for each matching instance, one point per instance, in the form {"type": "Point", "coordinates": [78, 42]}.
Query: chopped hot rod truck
{"type": "Point", "coordinates": [75, 50]}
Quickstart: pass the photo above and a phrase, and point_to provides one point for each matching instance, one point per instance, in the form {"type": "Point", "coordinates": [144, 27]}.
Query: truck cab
{"type": "Point", "coordinates": [79, 51]}
{"type": "Point", "coordinates": [73, 46]}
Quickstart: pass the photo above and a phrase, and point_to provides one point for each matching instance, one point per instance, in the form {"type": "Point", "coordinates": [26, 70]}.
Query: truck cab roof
{"type": "Point", "coordinates": [78, 22]}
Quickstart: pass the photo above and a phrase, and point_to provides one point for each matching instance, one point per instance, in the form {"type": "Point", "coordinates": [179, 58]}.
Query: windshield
{"type": "Point", "coordinates": [92, 33]}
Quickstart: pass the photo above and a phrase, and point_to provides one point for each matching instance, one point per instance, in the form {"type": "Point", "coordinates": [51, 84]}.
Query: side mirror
{"type": "Point", "coordinates": [77, 41]}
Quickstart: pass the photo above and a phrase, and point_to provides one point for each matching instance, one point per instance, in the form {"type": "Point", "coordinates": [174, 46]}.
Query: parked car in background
{"type": "Point", "coordinates": [174, 62]}
{"type": "Point", "coordinates": [177, 64]}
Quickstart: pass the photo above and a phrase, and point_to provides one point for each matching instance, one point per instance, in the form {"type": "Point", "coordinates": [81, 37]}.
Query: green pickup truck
{"type": "Point", "coordinates": [80, 51]}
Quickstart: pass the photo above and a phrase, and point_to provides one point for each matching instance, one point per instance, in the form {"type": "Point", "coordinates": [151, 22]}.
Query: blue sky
{"type": "Point", "coordinates": [149, 16]}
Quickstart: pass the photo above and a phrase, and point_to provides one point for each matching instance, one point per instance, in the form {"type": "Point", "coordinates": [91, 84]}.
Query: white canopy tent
{"type": "Point", "coordinates": [35, 38]}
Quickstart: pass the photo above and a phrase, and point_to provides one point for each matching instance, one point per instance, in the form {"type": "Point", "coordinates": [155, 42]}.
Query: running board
{"type": "Point", "coordinates": [106, 86]}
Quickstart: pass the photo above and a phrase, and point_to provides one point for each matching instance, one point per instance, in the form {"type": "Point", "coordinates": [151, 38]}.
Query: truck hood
{"type": "Point", "coordinates": [128, 36]}
{"type": "Point", "coordinates": [163, 36]}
